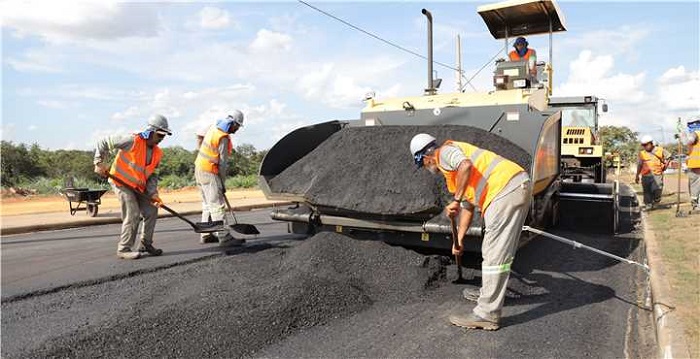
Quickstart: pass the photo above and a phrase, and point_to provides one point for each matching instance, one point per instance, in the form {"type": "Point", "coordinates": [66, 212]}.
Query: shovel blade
{"type": "Point", "coordinates": [245, 228]}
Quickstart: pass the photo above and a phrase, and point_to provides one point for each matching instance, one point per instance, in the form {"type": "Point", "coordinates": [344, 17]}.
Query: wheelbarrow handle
{"type": "Point", "coordinates": [143, 196]}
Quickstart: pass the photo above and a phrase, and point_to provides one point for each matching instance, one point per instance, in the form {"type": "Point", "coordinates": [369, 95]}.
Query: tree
{"type": "Point", "coordinates": [17, 164]}
{"type": "Point", "coordinates": [621, 140]}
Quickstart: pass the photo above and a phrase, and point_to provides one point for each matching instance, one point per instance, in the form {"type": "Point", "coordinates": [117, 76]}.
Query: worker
{"type": "Point", "coordinates": [523, 53]}
{"type": "Point", "coordinates": [211, 167]}
{"type": "Point", "coordinates": [138, 156]}
{"type": "Point", "coordinates": [501, 190]}
{"type": "Point", "coordinates": [692, 141]}
{"type": "Point", "coordinates": [651, 165]}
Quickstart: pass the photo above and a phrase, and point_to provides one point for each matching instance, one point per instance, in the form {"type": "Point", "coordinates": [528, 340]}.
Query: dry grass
{"type": "Point", "coordinates": [679, 240]}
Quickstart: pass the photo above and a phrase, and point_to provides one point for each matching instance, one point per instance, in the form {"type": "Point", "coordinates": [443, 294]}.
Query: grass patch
{"type": "Point", "coordinates": [246, 181]}
{"type": "Point", "coordinates": [44, 186]}
{"type": "Point", "coordinates": [679, 242]}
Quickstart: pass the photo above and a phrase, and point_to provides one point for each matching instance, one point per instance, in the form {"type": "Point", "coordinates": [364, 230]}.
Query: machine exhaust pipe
{"type": "Point", "coordinates": [430, 90]}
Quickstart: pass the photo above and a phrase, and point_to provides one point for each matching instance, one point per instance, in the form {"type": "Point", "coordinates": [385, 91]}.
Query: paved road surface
{"type": "Point", "coordinates": [64, 293]}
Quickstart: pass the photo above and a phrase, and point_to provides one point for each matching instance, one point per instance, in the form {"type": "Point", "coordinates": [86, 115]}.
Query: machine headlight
{"type": "Point", "coordinates": [585, 151]}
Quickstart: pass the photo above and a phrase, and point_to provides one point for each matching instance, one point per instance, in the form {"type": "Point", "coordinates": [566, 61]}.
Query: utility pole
{"type": "Point", "coordinates": [459, 64]}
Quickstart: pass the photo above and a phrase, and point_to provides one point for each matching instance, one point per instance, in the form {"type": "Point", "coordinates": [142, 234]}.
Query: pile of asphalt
{"type": "Point", "coordinates": [231, 306]}
{"type": "Point", "coordinates": [370, 169]}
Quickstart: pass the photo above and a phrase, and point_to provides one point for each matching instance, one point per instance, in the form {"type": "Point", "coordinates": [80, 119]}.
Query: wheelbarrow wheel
{"type": "Point", "coordinates": [92, 210]}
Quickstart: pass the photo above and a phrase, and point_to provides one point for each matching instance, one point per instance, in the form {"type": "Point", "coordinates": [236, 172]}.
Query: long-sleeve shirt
{"type": "Point", "coordinates": [111, 144]}
{"type": "Point", "coordinates": [223, 159]}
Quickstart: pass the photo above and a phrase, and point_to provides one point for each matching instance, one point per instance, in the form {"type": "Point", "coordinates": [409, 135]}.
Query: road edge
{"type": "Point", "coordinates": [112, 220]}
{"type": "Point", "coordinates": [670, 336]}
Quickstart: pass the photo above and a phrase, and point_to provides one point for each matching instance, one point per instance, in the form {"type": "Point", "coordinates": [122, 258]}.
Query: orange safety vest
{"type": "Point", "coordinates": [515, 57]}
{"type": "Point", "coordinates": [130, 165]}
{"type": "Point", "coordinates": [694, 156]}
{"type": "Point", "coordinates": [489, 174]}
{"type": "Point", "coordinates": [652, 162]}
{"type": "Point", "coordinates": [208, 156]}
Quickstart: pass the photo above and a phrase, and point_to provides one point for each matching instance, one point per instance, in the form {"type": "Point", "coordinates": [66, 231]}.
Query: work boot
{"type": "Point", "coordinates": [208, 238]}
{"type": "Point", "coordinates": [230, 241]}
{"type": "Point", "coordinates": [473, 321]}
{"type": "Point", "coordinates": [471, 294]}
{"type": "Point", "coordinates": [126, 253]}
{"type": "Point", "coordinates": [151, 250]}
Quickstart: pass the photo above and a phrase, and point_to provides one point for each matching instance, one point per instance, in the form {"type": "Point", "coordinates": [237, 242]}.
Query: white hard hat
{"type": "Point", "coordinates": [646, 139]}
{"type": "Point", "coordinates": [237, 117]}
{"type": "Point", "coordinates": [159, 123]}
{"type": "Point", "coordinates": [420, 141]}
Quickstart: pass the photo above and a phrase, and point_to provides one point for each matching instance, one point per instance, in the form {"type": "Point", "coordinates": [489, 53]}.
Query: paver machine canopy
{"type": "Point", "coordinates": [509, 19]}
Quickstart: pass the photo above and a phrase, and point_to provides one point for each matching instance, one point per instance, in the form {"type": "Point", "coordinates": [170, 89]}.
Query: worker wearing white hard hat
{"type": "Point", "coordinates": [137, 157]}
{"type": "Point", "coordinates": [211, 169]}
{"type": "Point", "coordinates": [501, 190]}
{"type": "Point", "coordinates": [651, 164]}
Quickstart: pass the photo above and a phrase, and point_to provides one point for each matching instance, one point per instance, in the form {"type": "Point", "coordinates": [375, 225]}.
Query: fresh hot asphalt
{"type": "Point", "coordinates": [65, 294]}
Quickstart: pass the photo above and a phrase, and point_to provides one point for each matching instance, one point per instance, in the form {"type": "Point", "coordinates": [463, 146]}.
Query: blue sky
{"type": "Point", "coordinates": [75, 71]}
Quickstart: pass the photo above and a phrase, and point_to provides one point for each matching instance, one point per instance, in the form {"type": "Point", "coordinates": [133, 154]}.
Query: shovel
{"type": "Point", "coordinates": [199, 227]}
{"type": "Point", "coordinates": [239, 227]}
{"type": "Point", "coordinates": [458, 258]}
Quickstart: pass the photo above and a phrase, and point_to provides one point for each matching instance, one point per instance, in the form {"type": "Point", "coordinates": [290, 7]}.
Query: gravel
{"type": "Point", "coordinates": [370, 170]}
{"type": "Point", "coordinates": [233, 306]}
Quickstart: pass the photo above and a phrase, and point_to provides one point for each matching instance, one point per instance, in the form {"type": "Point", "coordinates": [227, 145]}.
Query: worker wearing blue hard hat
{"type": "Point", "coordinates": [211, 168]}
{"type": "Point", "coordinates": [522, 53]}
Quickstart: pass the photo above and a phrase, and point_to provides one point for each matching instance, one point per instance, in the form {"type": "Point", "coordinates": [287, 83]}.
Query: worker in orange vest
{"type": "Point", "coordinates": [136, 160]}
{"type": "Point", "coordinates": [692, 141]}
{"type": "Point", "coordinates": [211, 168]}
{"type": "Point", "coordinates": [501, 190]}
{"type": "Point", "coordinates": [523, 53]}
{"type": "Point", "coordinates": [651, 165]}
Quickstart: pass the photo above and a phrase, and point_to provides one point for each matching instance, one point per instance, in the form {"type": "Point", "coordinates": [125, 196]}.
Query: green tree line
{"type": "Point", "coordinates": [45, 171]}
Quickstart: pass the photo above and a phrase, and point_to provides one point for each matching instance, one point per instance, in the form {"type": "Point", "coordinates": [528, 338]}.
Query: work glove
{"type": "Point", "coordinates": [452, 209]}
{"type": "Point", "coordinates": [101, 170]}
{"type": "Point", "coordinates": [155, 199]}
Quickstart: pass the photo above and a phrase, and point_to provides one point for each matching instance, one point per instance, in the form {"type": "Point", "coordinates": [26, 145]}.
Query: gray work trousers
{"type": "Point", "coordinates": [503, 220]}
{"type": "Point", "coordinates": [653, 187]}
{"type": "Point", "coordinates": [694, 187]}
{"type": "Point", "coordinates": [213, 205]}
{"type": "Point", "coordinates": [136, 212]}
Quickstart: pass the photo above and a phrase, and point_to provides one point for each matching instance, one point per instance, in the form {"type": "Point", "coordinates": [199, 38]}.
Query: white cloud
{"type": "Point", "coordinates": [589, 74]}
{"type": "Point", "coordinates": [102, 133]}
{"type": "Point", "coordinates": [53, 104]}
{"type": "Point", "coordinates": [59, 21]}
{"type": "Point", "coordinates": [621, 41]}
{"type": "Point", "coordinates": [271, 41]}
{"type": "Point", "coordinates": [130, 113]}
{"type": "Point", "coordinates": [680, 89]}
{"type": "Point", "coordinates": [214, 18]}
{"type": "Point", "coordinates": [29, 65]}
{"type": "Point", "coordinates": [32, 128]}
{"type": "Point", "coordinates": [7, 131]}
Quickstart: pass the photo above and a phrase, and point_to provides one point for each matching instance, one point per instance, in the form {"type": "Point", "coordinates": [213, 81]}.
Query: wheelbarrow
{"type": "Point", "coordinates": [85, 199]}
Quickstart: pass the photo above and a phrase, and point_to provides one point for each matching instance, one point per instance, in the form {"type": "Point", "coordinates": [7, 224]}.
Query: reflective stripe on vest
{"type": "Point", "coordinates": [651, 162]}
{"type": "Point", "coordinates": [515, 57]}
{"type": "Point", "coordinates": [489, 174]}
{"type": "Point", "coordinates": [694, 156]}
{"type": "Point", "coordinates": [208, 156]}
{"type": "Point", "coordinates": [130, 165]}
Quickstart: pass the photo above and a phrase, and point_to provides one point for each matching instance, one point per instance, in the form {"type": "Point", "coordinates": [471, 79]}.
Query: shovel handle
{"type": "Point", "coordinates": [143, 196]}
{"type": "Point", "coordinates": [455, 243]}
